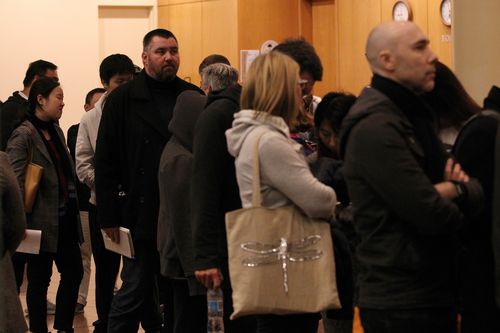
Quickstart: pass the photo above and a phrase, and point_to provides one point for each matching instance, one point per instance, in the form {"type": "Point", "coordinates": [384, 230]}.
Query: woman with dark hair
{"type": "Point", "coordinates": [40, 140]}
{"type": "Point", "coordinates": [327, 167]}
{"type": "Point", "coordinates": [325, 163]}
{"type": "Point", "coordinates": [451, 103]}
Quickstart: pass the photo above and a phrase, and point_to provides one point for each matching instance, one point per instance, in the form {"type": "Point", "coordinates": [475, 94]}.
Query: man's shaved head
{"type": "Point", "coordinates": [400, 51]}
{"type": "Point", "coordinates": [385, 37]}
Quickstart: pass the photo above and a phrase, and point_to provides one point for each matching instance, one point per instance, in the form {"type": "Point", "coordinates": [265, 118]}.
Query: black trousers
{"type": "Point", "coordinates": [68, 260]}
{"type": "Point", "coordinates": [428, 320]}
{"type": "Point", "coordinates": [137, 299]}
{"type": "Point", "coordinates": [188, 313]}
{"type": "Point", "coordinates": [239, 325]}
{"type": "Point", "coordinates": [19, 261]}
{"type": "Point", "coordinates": [299, 323]}
{"type": "Point", "coordinates": [107, 266]}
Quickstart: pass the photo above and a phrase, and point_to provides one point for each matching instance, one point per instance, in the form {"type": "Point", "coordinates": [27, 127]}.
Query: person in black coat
{"type": "Point", "coordinates": [174, 225]}
{"type": "Point", "coordinates": [15, 109]}
{"type": "Point", "coordinates": [214, 192]}
{"type": "Point", "coordinates": [327, 167]}
{"type": "Point", "coordinates": [475, 151]}
{"type": "Point", "coordinates": [132, 134]}
{"type": "Point", "coordinates": [409, 199]}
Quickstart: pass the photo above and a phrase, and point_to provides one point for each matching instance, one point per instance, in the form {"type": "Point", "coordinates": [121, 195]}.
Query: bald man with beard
{"type": "Point", "coordinates": [409, 199]}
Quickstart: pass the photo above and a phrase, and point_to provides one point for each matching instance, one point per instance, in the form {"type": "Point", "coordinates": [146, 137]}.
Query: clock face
{"type": "Point", "coordinates": [446, 12]}
{"type": "Point", "coordinates": [401, 12]}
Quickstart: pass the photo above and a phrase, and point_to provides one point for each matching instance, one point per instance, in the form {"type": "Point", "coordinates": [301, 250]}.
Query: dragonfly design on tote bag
{"type": "Point", "coordinates": [283, 252]}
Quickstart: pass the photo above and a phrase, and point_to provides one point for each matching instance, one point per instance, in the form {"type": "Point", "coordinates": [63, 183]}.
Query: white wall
{"type": "Point", "coordinates": [476, 45]}
{"type": "Point", "coordinates": [64, 32]}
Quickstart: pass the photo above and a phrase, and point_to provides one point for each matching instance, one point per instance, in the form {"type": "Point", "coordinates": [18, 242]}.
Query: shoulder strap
{"type": "Point", "coordinates": [256, 197]}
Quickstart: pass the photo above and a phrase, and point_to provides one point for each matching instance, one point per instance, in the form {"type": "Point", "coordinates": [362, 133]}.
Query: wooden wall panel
{"type": "Point", "coordinates": [355, 20]}
{"type": "Point", "coordinates": [348, 23]}
{"type": "Point", "coordinates": [220, 29]}
{"type": "Point", "coordinates": [305, 19]}
{"type": "Point", "coordinates": [337, 28]}
{"type": "Point", "coordinates": [325, 40]}
{"type": "Point", "coordinates": [261, 20]}
{"type": "Point", "coordinates": [184, 20]}
{"type": "Point", "coordinates": [175, 2]}
{"type": "Point", "coordinates": [439, 34]}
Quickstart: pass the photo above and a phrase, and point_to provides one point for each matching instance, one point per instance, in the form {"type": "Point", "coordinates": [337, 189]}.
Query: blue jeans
{"type": "Point", "coordinates": [426, 320]}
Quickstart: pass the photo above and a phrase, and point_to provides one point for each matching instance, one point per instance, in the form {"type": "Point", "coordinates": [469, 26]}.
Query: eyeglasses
{"type": "Point", "coordinates": [302, 83]}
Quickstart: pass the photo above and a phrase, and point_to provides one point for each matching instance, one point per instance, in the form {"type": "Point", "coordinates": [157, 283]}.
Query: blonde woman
{"type": "Point", "coordinates": [270, 101]}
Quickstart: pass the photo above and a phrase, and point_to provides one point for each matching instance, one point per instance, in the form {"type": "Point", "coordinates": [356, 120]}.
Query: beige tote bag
{"type": "Point", "coordinates": [280, 260]}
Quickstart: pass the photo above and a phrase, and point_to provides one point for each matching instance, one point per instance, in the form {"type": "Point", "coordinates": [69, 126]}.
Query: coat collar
{"type": "Point", "coordinates": [37, 141]}
{"type": "Point", "coordinates": [148, 112]}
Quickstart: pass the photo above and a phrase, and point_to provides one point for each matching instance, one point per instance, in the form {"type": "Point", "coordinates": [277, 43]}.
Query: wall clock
{"type": "Point", "coordinates": [401, 11]}
{"type": "Point", "coordinates": [445, 11]}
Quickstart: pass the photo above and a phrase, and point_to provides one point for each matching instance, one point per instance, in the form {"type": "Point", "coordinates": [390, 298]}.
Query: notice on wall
{"type": "Point", "coordinates": [246, 59]}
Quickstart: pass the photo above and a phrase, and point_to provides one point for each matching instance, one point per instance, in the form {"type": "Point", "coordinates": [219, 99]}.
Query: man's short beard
{"type": "Point", "coordinates": [166, 76]}
{"type": "Point", "coordinates": [162, 75]}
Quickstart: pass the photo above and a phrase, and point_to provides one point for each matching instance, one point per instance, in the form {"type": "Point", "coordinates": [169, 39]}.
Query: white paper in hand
{"type": "Point", "coordinates": [125, 247]}
{"type": "Point", "coordinates": [31, 243]}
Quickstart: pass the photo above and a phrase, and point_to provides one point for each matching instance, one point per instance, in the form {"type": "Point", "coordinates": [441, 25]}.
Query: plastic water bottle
{"type": "Point", "coordinates": [215, 311]}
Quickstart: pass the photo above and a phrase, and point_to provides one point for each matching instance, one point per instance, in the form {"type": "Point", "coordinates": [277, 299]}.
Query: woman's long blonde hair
{"type": "Point", "coordinates": [271, 85]}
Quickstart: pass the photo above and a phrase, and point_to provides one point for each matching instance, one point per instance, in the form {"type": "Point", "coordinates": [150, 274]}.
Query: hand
{"type": "Point", "coordinates": [453, 172]}
{"type": "Point", "coordinates": [113, 233]}
{"type": "Point", "coordinates": [446, 190]}
{"type": "Point", "coordinates": [211, 278]}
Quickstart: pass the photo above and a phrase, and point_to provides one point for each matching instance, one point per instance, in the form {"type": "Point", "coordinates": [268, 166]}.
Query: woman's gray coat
{"type": "Point", "coordinates": [45, 214]}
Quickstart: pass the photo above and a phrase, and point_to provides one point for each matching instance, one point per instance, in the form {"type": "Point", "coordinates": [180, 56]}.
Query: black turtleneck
{"type": "Point", "coordinates": [164, 94]}
{"type": "Point", "coordinates": [420, 116]}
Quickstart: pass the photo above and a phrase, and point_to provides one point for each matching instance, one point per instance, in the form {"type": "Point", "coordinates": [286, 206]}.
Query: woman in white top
{"type": "Point", "coordinates": [270, 102]}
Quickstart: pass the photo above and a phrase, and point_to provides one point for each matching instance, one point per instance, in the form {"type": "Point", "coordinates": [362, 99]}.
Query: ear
{"type": "Point", "coordinates": [40, 99]}
{"type": "Point", "coordinates": [105, 85]}
{"type": "Point", "coordinates": [387, 60]}
{"type": "Point", "coordinates": [86, 107]}
{"type": "Point", "coordinates": [144, 57]}
{"type": "Point", "coordinates": [35, 78]}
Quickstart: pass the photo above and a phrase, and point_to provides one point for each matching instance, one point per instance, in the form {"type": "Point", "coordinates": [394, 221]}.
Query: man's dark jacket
{"type": "Point", "coordinates": [130, 141]}
{"type": "Point", "coordinates": [475, 151]}
{"type": "Point", "coordinates": [214, 189]}
{"type": "Point", "coordinates": [408, 233]}
{"type": "Point", "coordinates": [12, 114]}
